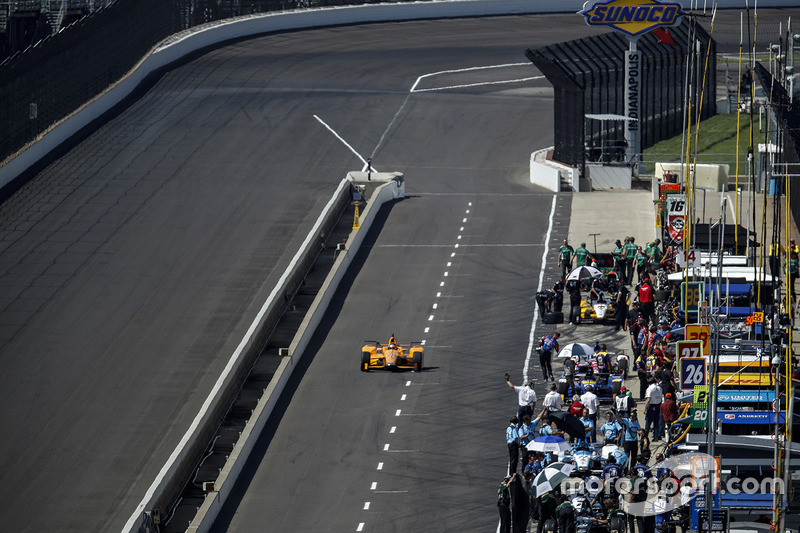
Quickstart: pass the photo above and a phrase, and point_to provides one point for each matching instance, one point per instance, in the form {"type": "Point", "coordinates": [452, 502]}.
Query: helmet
{"type": "Point", "coordinates": [622, 389]}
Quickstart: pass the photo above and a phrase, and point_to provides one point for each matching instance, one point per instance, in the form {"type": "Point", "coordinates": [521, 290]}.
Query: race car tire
{"type": "Point", "coordinates": [553, 318]}
{"type": "Point", "coordinates": [615, 388]}
{"type": "Point", "coordinates": [563, 388]}
{"type": "Point", "coordinates": [418, 361]}
{"type": "Point", "coordinates": [365, 361]}
{"type": "Point", "coordinates": [661, 295]}
{"type": "Point", "coordinates": [576, 314]}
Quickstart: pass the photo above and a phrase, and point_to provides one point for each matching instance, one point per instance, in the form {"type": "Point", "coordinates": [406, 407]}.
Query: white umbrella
{"type": "Point", "coordinates": [585, 272]}
{"type": "Point", "coordinates": [575, 349]}
{"type": "Point", "coordinates": [551, 477]}
{"type": "Point", "coordinates": [548, 443]}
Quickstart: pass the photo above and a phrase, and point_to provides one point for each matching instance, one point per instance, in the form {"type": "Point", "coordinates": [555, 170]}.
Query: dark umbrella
{"type": "Point", "coordinates": [568, 423]}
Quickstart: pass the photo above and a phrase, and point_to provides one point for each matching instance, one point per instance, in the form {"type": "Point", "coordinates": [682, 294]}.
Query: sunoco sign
{"type": "Point", "coordinates": [633, 17]}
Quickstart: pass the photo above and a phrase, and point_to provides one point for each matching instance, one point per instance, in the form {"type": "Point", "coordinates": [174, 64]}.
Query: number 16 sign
{"type": "Point", "coordinates": [693, 372]}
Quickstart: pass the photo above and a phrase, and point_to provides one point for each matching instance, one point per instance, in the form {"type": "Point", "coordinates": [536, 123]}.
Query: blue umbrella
{"type": "Point", "coordinates": [548, 443]}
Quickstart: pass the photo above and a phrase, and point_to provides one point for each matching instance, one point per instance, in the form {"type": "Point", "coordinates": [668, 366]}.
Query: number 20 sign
{"type": "Point", "coordinates": [693, 372]}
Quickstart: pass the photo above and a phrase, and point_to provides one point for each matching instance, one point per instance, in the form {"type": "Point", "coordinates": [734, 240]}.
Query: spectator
{"type": "Point", "coordinates": [512, 440]}
{"type": "Point", "coordinates": [619, 265]}
{"type": "Point", "coordinates": [577, 407]}
{"type": "Point", "coordinates": [547, 345]}
{"type": "Point", "coordinates": [653, 398]}
{"type": "Point", "coordinates": [624, 401]}
{"type": "Point", "coordinates": [621, 308]}
{"type": "Point", "coordinates": [588, 425]}
{"type": "Point", "coordinates": [552, 399]}
{"type": "Point", "coordinates": [582, 256]}
{"type": "Point", "coordinates": [504, 505]}
{"type": "Point", "coordinates": [669, 411]}
{"type": "Point", "coordinates": [630, 435]}
{"type": "Point", "coordinates": [565, 514]}
{"type": "Point", "coordinates": [641, 264]}
{"type": "Point", "coordinates": [573, 288]}
{"type": "Point", "coordinates": [526, 398]}
{"type": "Point", "coordinates": [646, 295]}
{"type": "Point", "coordinates": [547, 510]}
{"type": "Point", "coordinates": [565, 253]}
{"type": "Point", "coordinates": [612, 472]}
{"type": "Point", "coordinates": [590, 401]}
{"type": "Point", "coordinates": [612, 430]}
{"type": "Point", "coordinates": [629, 249]}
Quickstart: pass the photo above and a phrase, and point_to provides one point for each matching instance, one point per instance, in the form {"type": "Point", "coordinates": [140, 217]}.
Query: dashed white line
{"type": "Point", "coordinates": [464, 220]}
{"type": "Point", "coordinates": [394, 428]}
{"type": "Point", "coordinates": [435, 306]}
{"type": "Point", "coordinates": [408, 383]}
{"type": "Point", "coordinates": [397, 413]}
{"type": "Point", "coordinates": [386, 447]}
{"type": "Point", "coordinates": [360, 527]}
{"type": "Point", "coordinates": [430, 318]}
{"type": "Point", "coordinates": [446, 274]}
{"type": "Point", "coordinates": [441, 284]}
{"type": "Point", "coordinates": [427, 330]}
{"type": "Point", "coordinates": [380, 466]}
{"type": "Point", "coordinates": [374, 485]}
{"type": "Point", "coordinates": [366, 506]}
{"type": "Point", "coordinates": [403, 398]}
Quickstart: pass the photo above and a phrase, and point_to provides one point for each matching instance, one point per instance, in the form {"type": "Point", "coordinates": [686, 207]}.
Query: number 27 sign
{"type": "Point", "coordinates": [692, 348]}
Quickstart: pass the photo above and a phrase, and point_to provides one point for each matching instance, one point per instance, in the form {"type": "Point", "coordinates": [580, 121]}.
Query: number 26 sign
{"type": "Point", "coordinates": [693, 372]}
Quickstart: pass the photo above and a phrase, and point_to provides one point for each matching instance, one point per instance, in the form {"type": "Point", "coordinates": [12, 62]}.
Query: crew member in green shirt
{"type": "Point", "coordinates": [565, 258]}
{"type": "Point", "coordinates": [581, 254]}
{"type": "Point", "coordinates": [630, 250]}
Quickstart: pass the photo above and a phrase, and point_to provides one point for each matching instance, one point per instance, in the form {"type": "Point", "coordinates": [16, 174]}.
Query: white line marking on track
{"type": "Point", "coordinates": [360, 527]}
{"type": "Point", "coordinates": [427, 330]}
{"type": "Point", "coordinates": [394, 428]}
{"type": "Point", "coordinates": [435, 306]}
{"type": "Point", "coordinates": [374, 485]}
{"type": "Point", "coordinates": [468, 69]}
{"type": "Point", "coordinates": [391, 491]}
{"type": "Point", "coordinates": [380, 466]}
{"type": "Point", "coordinates": [403, 398]}
{"type": "Point", "coordinates": [402, 451]}
{"type": "Point", "coordinates": [477, 84]}
{"type": "Point", "coordinates": [464, 220]}
{"type": "Point", "coordinates": [397, 413]}
{"type": "Point", "coordinates": [408, 383]}
{"type": "Point", "coordinates": [343, 141]}
{"type": "Point", "coordinates": [386, 447]}
{"type": "Point", "coordinates": [366, 506]}
{"type": "Point", "coordinates": [541, 281]}
{"type": "Point", "coordinates": [438, 294]}
{"type": "Point", "coordinates": [441, 284]}
{"type": "Point", "coordinates": [430, 318]}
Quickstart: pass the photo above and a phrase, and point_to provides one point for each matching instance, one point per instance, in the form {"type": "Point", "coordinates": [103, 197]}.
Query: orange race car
{"type": "Point", "coordinates": [392, 356]}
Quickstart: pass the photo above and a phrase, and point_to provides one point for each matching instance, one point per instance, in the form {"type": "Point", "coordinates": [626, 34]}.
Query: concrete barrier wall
{"type": "Point", "coordinates": [224, 484]}
{"type": "Point", "coordinates": [173, 475]}
{"type": "Point", "coordinates": [544, 175]}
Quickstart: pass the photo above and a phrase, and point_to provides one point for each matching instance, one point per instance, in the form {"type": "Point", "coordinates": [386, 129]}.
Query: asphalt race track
{"type": "Point", "coordinates": [455, 264]}
{"type": "Point", "coordinates": [132, 266]}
